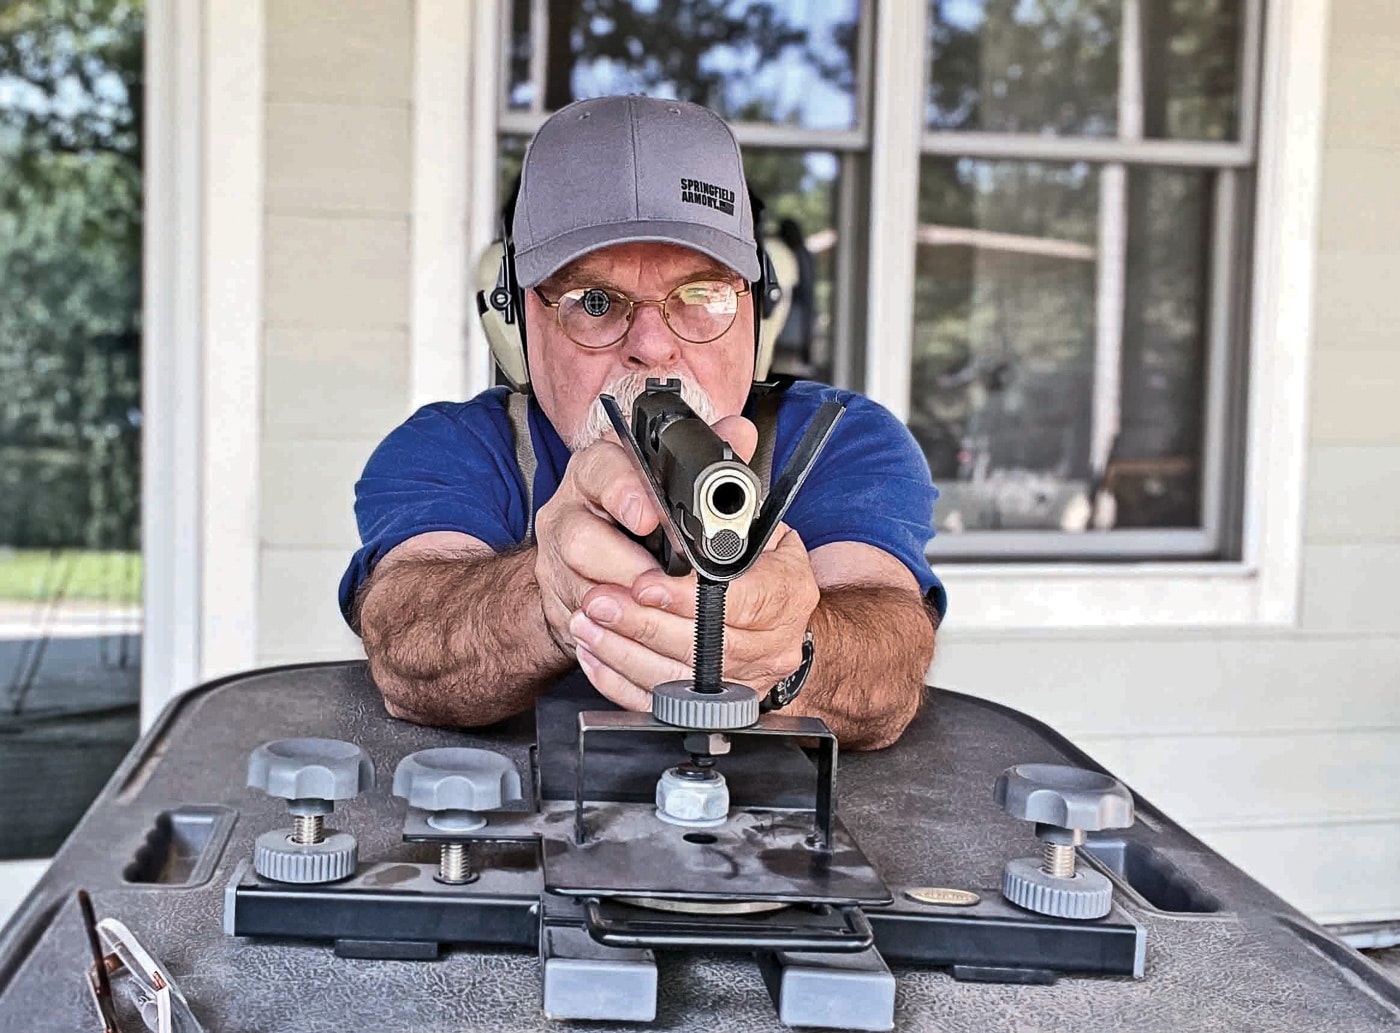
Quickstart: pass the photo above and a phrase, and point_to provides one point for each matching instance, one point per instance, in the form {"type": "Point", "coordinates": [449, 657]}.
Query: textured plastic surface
{"type": "Point", "coordinates": [181, 847]}
{"type": "Point", "coordinates": [1070, 797]}
{"type": "Point", "coordinates": [310, 769]}
{"type": "Point", "coordinates": [1086, 894]}
{"type": "Point", "coordinates": [921, 810]}
{"type": "Point", "coordinates": [677, 703]}
{"type": "Point", "coordinates": [457, 779]}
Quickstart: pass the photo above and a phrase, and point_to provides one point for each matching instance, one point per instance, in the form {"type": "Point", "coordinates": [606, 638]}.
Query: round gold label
{"type": "Point", "coordinates": [943, 895]}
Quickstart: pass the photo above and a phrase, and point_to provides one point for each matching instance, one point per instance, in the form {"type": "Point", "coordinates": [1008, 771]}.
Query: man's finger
{"type": "Point", "coordinates": [656, 589]}
{"type": "Point", "coordinates": [632, 660]}
{"type": "Point", "coordinates": [624, 693]}
{"type": "Point", "coordinates": [607, 480]}
{"type": "Point", "coordinates": [740, 433]}
{"type": "Point", "coordinates": [665, 633]}
{"type": "Point", "coordinates": [595, 550]}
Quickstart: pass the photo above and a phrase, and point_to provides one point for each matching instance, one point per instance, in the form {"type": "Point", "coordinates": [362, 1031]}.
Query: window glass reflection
{"type": "Point", "coordinates": [1035, 66]}
{"type": "Point", "coordinates": [1154, 472]}
{"type": "Point", "coordinates": [782, 61]}
{"type": "Point", "coordinates": [800, 189]}
{"type": "Point", "coordinates": [1004, 396]}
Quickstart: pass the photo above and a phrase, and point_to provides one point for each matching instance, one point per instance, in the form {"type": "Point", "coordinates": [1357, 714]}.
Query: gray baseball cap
{"type": "Point", "coordinates": [620, 169]}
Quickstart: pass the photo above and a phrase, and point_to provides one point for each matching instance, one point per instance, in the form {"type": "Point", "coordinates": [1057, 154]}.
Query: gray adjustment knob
{"type": "Point", "coordinates": [1064, 802]}
{"type": "Point", "coordinates": [310, 774]}
{"type": "Point", "coordinates": [456, 784]}
{"type": "Point", "coordinates": [680, 703]}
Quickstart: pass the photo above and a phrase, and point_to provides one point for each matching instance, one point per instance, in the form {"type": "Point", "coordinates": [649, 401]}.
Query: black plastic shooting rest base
{"type": "Point", "coordinates": [1191, 943]}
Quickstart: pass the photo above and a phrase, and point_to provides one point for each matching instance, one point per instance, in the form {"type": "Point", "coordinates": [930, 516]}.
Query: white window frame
{"type": "Point", "coordinates": [1260, 588]}
{"type": "Point", "coordinates": [201, 343]}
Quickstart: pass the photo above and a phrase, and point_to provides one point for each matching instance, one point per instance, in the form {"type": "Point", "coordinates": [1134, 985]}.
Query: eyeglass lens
{"type": "Point", "coordinates": [596, 317]}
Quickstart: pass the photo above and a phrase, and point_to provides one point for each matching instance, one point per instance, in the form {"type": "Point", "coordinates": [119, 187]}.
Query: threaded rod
{"type": "Point", "coordinates": [1058, 860]}
{"type": "Point", "coordinates": [307, 829]}
{"type": "Point", "coordinates": [709, 635]}
{"type": "Point", "coordinates": [455, 864]}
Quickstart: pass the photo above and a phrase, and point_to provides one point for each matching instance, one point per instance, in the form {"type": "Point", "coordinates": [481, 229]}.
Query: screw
{"type": "Point", "coordinates": [709, 635]}
{"type": "Point", "coordinates": [308, 829]}
{"type": "Point", "coordinates": [455, 864]}
{"type": "Point", "coordinates": [1059, 860]}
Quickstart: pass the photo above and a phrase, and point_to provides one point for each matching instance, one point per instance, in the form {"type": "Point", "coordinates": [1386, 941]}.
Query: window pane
{"type": "Point", "coordinates": [70, 392]}
{"type": "Point", "coordinates": [1032, 66]}
{"type": "Point", "coordinates": [782, 61]}
{"type": "Point", "coordinates": [1005, 401]}
{"type": "Point", "coordinates": [1154, 471]}
{"type": "Point", "coordinates": [518, 57]}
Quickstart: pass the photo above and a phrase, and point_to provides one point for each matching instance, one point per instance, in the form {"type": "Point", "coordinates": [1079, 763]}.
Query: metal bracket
{"type": "Point", "coordinates": [824, 815]}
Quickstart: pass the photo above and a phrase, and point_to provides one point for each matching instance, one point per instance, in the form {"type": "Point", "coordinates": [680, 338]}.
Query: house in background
{"type": "Point", "coordinates": [1124, 268]}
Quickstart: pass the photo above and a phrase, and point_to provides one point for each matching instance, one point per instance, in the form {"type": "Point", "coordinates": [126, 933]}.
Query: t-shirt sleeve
{"type": "Point", "coordinates": [871, 484]}
{"type": "Point", "coordinates": [450, 467]}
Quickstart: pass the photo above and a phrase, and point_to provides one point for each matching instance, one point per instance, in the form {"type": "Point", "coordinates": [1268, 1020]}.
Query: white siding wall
{"type": "Point", "coordinates": [1282, 750]}
{"type": "Point", "coordinates": [336, 348]}
{"type": "Point", "coordinates": [1278, 748]}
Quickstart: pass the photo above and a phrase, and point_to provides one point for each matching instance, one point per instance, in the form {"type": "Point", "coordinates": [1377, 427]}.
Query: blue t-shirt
{"type": "Point", "coordinates": [451, 467]}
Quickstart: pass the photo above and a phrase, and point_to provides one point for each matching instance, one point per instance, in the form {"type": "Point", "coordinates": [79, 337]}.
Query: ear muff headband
{"type": "Point", "coordinates": [500, 301]}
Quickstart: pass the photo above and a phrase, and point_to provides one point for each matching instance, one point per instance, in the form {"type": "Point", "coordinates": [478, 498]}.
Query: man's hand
{"type": "Point", "coordinates": [579, 544]}
{"type": "Point", "coordinates": [629, 641]}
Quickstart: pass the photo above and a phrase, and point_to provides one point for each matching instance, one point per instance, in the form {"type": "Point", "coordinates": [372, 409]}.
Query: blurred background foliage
{"type": "Point", "coordinates": [70, 273]}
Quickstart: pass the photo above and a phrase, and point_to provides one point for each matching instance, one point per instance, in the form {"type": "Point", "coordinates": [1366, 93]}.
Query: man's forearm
{"type": "Point", "coordinates": [873, 647]}
{"type": "Point", "coordinates": [459, 641]}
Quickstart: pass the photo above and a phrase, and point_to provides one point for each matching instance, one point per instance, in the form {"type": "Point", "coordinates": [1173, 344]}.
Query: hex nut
{"type": "Point", "coordinates": [716, 744]}
{"type": "Point", "coordinates": [684, 801]}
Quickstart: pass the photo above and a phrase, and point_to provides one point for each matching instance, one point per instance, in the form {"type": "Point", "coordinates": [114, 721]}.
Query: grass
{"type": "Point", "coordinates": [32, 575]}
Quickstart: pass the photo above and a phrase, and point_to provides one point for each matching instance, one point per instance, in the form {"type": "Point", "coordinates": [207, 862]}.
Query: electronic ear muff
{"type": "Point", "coordinates": [782, 273]}
{"type": "Point", "coordinates": [502, 316]}
{"type": "Point", "coordinates": [500, 302]}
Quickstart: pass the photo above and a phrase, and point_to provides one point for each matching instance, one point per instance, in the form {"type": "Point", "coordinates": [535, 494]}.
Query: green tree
{"type": "Point", "coordinates": [70, 259]}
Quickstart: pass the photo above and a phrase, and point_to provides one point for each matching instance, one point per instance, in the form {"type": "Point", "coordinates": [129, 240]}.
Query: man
{"type": "Point", "coordinates": [635, 256]}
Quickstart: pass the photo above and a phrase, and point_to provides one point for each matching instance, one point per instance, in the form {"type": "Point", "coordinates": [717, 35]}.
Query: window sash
{"type": "Point", "coordinates": [1221, 502]}
{"type": "Point", "coordinates": [890, 137]}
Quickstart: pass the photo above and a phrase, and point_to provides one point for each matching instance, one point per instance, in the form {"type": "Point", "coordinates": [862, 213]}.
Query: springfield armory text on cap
{"type": "Point", "coordinates": [693, 191]}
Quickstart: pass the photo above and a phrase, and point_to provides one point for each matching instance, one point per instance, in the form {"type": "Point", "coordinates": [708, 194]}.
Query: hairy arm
{"type": "Point", "coordinates": [455, 633]}
{"type": "Point", "coordinates": [874, 640]}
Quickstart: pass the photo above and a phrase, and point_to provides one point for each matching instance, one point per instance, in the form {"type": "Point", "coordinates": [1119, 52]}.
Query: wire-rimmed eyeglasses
{"type": "Point", "coordinates": [162, 1006]}
{"type": "Point", "coordinates": [597, 317]}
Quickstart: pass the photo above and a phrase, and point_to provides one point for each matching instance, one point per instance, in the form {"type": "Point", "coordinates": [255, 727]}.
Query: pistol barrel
{"type": "Point", "coordinates": [712, 495]}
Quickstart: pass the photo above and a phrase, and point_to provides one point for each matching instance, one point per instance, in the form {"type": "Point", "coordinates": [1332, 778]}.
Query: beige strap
{"type": "Point", "coordinates": [518, 409]}
{"type": "Point", "coordinates": [765, 420]}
